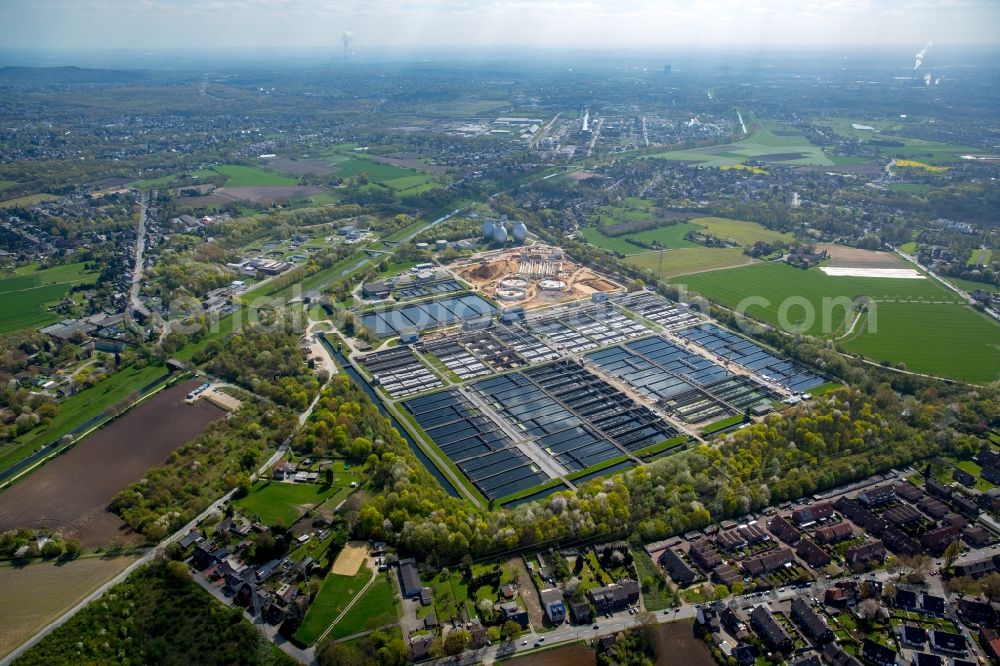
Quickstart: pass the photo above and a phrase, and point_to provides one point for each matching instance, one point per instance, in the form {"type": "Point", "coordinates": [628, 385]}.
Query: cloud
{"type": "Point", "coordinates": [541, 23]}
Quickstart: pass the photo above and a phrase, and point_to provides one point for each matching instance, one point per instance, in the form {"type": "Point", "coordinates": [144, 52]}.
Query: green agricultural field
{"type": "Point", "coordinates": [28, 200]}
{"type": "Point", "coordinates": [690, 260]}
{"type": "Point", "coordinates": [406, 182]}
{"type": "Point", "coordinates": [763, 144]}
{"type": "Point", "coordinates": [930, 152]}
{"type": "Point", "coordinates": [27, 295]}
{"type": "Point", "coordinates": [672, 236]}
{"type": "Point", "coordinates": [375, 609]}
{"type": "Point", "coordinates": [6, 184]}
{"type": "Point", "coordinates": [778, 282]}
{"type": "Point", "coordinates": [244, 176]}
{"type": "Point", "coordinates": [908, 248]}
{"type": "Point", "coordinates": [333, 597]}
{"type": "Point", "coordinates": [378, 173]}
{"type": "Point", "coordinates": [284, 503]}
{"type": "Point", "coordinates": [150, 183]}
{"type": "Point", "coordinates": [911, 188]}
{"type": "Point", "coordinates": [919, 322]}
{"type": "Point", "coordinates": [945, 340]}
{"type": "Point", "coordinates": [419, 189]}
{"type": "Point", "coordinates": [744, 233]}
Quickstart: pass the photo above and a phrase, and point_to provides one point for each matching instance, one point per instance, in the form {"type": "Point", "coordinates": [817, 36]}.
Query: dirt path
{"type": "Point", "coordinates": [527, 591]}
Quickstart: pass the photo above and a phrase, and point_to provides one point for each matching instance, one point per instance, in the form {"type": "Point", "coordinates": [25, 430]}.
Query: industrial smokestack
{"type": "Point", "coordinates": [347, 38]}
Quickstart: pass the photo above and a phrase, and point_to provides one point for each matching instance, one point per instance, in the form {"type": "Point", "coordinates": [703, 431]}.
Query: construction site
{"type": "Point", "coordinates": [532, 277]}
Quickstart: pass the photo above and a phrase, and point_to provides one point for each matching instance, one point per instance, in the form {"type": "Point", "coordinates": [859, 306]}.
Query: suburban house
{"type": "Point", "coordinates": [770, 631]}
{"type": "Point", "coordinates": [768, 562]}
{"type": "Point", "coordinates": [877, 496]}
{"type": "Point", "coordinates": [677, 568]}
{"type": "Point", "coordinates": [553, 605]}
{"type": "Point", "coordinates": [873, 551]}
{"type": "Point", "coordinates": [813, 625]}
{"type": "Point", "coordinates": [784, 530]}
{"type": "Point", "coordinates": [615, 597]}
{"type": "Point", "coordinates": [812, 514]}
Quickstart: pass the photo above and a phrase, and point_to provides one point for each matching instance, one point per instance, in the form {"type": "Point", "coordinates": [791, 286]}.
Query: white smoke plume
{"type": "Point", "coordinates": [347, 38]}
{"type": "Point", "coordinates": [920, 56]}
{"type": "Point", "coordinates": [927, 79]}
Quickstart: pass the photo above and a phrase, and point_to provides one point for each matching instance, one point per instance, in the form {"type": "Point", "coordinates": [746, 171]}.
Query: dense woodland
{"type": "Point", "coordinates": [841, 437]}
{"type": "Point", "coordinates": [158, 615]}
{"type": "Point", "coordinates": [265, 359]}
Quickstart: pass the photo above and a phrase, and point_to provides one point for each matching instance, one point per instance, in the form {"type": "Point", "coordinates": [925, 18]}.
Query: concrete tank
{"type": "Point", "coordinates": [499, 234]}
{"type": "Point", "coordinates": [488, 230]}
{"type": "Point", "coordinates": [520, 232]}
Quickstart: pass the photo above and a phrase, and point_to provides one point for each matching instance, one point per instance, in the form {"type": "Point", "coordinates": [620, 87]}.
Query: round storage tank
{"type": "Point", "coordinates": [488, 229]}
{"type": "Point", "coordinates": [422, 246]}
{"type": "Point", "coordinates": [520, 232]}
{"type": "Point", "coordinates": [499, 234]}
{"type": "Point", "coordinates": [441, 244]}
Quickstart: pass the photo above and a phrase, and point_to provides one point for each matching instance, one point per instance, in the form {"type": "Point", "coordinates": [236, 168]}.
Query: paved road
{"type": "Point", "coordinates": [140, 246]}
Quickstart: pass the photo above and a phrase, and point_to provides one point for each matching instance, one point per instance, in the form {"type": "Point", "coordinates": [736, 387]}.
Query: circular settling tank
{"type": "Point", "coordinates": [511, 294]}
{"type": "Point", "coordinates": [551, 285]}
{"type": "Point", "coordinates": [513, 283]}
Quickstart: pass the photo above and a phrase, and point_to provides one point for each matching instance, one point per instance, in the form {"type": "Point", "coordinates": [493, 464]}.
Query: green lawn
{"type": "Point", "coordinates": [969, 285]}
{"type": "Point", "coordinates": [77, 409]}
{"type": "Point", "coordinates": [451, 592]}
{"type": "Point", "coordinates": [28, 293]}
{"type": "Point", "coordinates": [690, 260]}
{"type": "Point", "coordinates": [947, 340]}
{"type": "Point", "coordinates": [332, 599]}
{"type": "Point", "coordinates": [376, 608]}
{"type": "Point", "coordinates": [982, 485]}
{"type": "Point", "coordinates": [659, 595]}
{"type": "Point", "coordinates": [6, 184]}
{"type": "Point", "coordinates": [981, 256]}
{"type": "Point", "coordinates": [244, 176]}
{"type": "Point", "coordinates": [284, 503]}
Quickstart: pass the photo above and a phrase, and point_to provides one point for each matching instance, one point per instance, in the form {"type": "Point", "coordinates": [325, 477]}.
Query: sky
{"type": "Point", "coordinates": [546, 24]}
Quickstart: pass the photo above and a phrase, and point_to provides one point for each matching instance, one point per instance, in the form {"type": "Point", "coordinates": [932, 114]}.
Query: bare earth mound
{"type": "Point", "coordinates": [71, 493]}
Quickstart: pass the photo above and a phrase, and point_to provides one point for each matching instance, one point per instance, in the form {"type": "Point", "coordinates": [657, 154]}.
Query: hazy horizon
{"type": "Point", "coordinates": [49, 25]}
